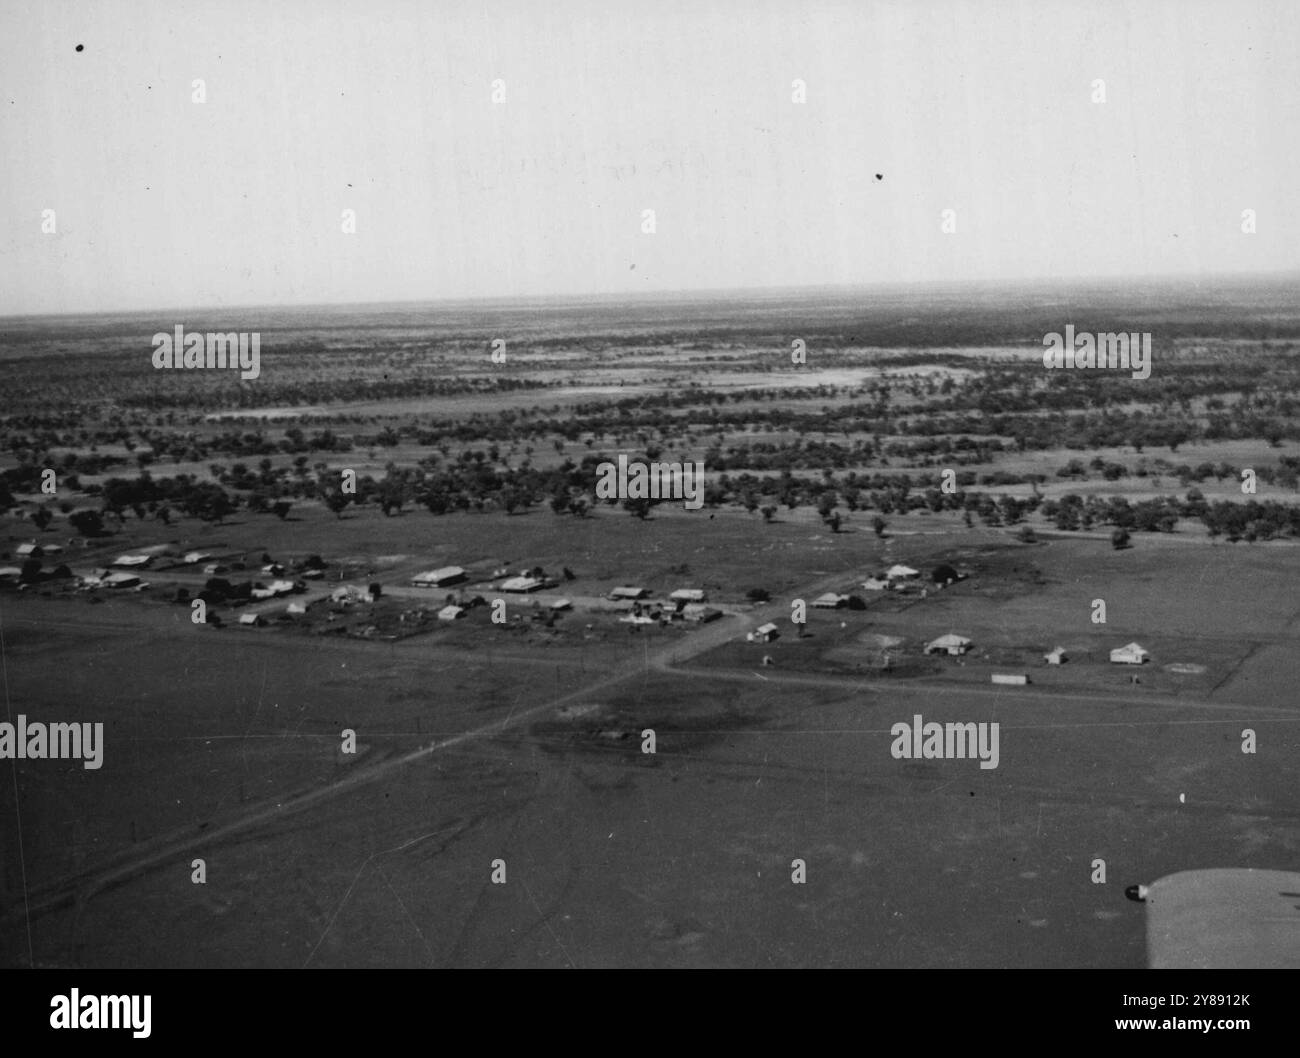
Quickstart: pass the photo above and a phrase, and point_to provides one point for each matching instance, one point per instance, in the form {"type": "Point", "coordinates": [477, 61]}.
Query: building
{"type": "Point", "coordinates": [192, 557]}
{"type": "Point", "coordinates": [953, 645]}
{"type": "Point", "coordinates": [1018, 679]}
{"type": "Point", "coordinates": [522, 584]}
{"type": "Point", "coordinates": [875, 584]}
{"type": "Point", "coordinates": [901, 573]}
{"type": "Point", "coordinates": [764, 633]}
{"type": "Point", "coordinates": [624, 594]}
{"type": "Point", "coordinates": [10, 572]}
{"type": "Point", "coordinates": [252, 620]}
{"type": "Point", "coordinates": [438, 578]}
{"type": "Point", "coordinates": [29, 551]}
{"type": "Point", "coordinates": [1056, 656]}
{"type": "Point", "coordinates": [451, 613]}
{"type": "Point", "coordinates": [561, 604]}
{"type": "Point", "coordinates": [830, 601]}
{"type": "Point", "coordinates": [688, 595]}
{"type": "Point", "coordinates": [1129, 654]}
{"type": "Point", "coordinates": [133, 561]}
{"type": "Point", "coordinates": [700, 614]}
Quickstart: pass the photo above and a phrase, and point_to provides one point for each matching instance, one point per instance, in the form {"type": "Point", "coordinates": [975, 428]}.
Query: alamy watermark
{"type": "Point", "coordinates": [652, 481]}
{"type": "Point", "coordinates": [230, 349]}
{"type": "Point", "coordinates": [1123, 351]}
{"type": "Point", "coordinates": [935, 741]}
{"type": "Point", "coordinates": [38, 741]}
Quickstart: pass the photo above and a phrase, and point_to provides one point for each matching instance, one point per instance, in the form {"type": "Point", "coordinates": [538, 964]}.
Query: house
{"type": "Point", "coordinates": [638, 619]}
{"type": "Point", "coordinates": [29, 551]}
{"type": "Point", "coordinates": [901, 573]}
{"type": "Point", "coordinates": [875, 584]}
{"type": "Point", "coordinates": [296, 609]}
{"type": "Point", "coordinates": [1056, 656]}
{"type": "Point", "coordinates": [451, 613]}
{"type": "Point", "coordinates": [687, 595]}
{"type": "Point", "coordinates": [252, 620]}
{"type": "Point", "coordinates": [522, 584]}
{"type": "Point", "coordinates": [1129, 654]}
{"type": "Point", "coordinates": [133, 561]}
{"type": "Point", "coordinates": [953, 645]}
{"type": "Point", "coordinates": [625, 593]}
{"type": "Point", "coordinates": [273, 569]}
{"type": "Point", "coordinates": [1018, 679]}
{"type": "Point", "coordinates": [764, 633]}
{"type": "Point", "coordinates": [192, 557]}
{"type": "Point", "coordinates": [438, 578]}
{"type": "Point", "coordinates": [10, 572]}
{"type": "Point", "coordinates": [561, 604]}
{"type": "Point", "coordinates": [830, 601]}
{"type": "Point", "coordinates": [700, 614]}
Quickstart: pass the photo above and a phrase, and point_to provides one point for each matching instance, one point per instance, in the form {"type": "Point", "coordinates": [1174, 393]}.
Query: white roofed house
{"type": "Point", "coordinates": [687, 595]}
{"type": "Point", "coordinates": [251, 620]}
{"type": "Point", "coordinates": [1056, 656]}
{"type": "Point", "coordinates": [764, 633]}
{"type": "Point", "coordinates": [451, 613]}
{"type": "Point", "coordinates": [438, 578]}
{"type": "Point", "coordinates": [522, 584]}
{"type": "Point", "coordinates": [29, 551]}
{"type": "Point", "coordinates": [1129, 654]}
{"type": "Point", "coordinates": [875, 584]}
{"type": "Point", "coordinates": [133, 561]}
{"type": "Point", "coordinates": [953, 645]}
{"type": "Point", "coordinates": [902, 573]}
{"type": "Point", "coordinates": [830, 601]}
{"type": "Point", "coordinates": [628, 593]}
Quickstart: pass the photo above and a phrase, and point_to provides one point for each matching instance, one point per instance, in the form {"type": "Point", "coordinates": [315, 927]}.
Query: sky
{"type": "Point", "coordinates": [605, 110]}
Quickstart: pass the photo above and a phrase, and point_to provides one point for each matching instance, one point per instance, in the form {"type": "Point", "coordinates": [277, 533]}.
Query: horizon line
{"type": "Point", "coordinates": [698, 293]}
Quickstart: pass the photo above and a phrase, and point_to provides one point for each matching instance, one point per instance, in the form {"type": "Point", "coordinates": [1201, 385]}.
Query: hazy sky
{"type": "Point", "coordinates": [612, 108]}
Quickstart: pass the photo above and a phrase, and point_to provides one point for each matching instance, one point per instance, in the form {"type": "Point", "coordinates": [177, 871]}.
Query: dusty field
{"type": "Point", "coordinates": [225, 745]}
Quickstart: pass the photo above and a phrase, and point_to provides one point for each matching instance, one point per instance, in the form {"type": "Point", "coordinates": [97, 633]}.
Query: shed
{"type": "Point", "coordinates": [764, 633]}
{"type": "Point", "coordinates": [1056, 656]}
